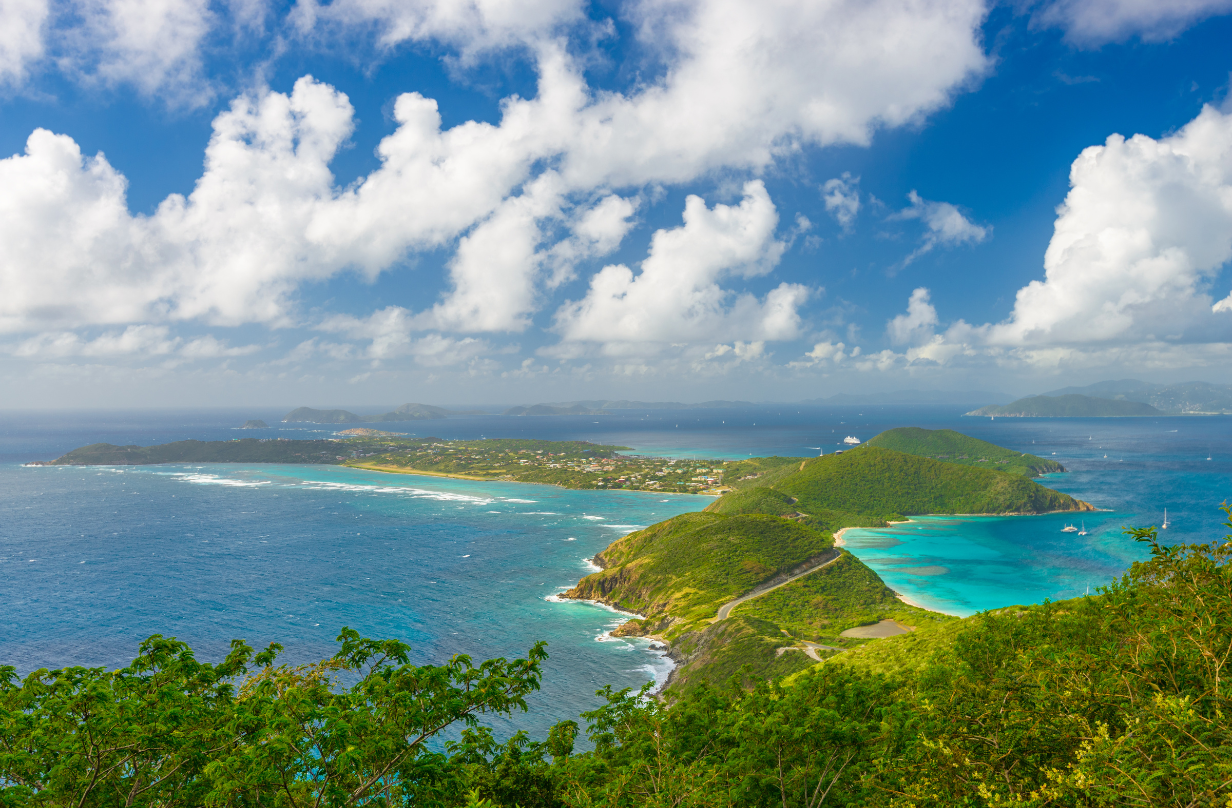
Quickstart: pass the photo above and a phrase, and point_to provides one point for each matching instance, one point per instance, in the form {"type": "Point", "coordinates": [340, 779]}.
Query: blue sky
{"type": "Point", "coordinates": [369, 202]}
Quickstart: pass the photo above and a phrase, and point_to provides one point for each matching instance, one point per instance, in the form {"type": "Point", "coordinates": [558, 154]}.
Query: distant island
{"type": "Point", "coordinates": [1071, 405]}
{"type": "Point", "coordinates": [551, 409]}
{"type": "Point", "coordinates": [242, 450]}
{"type": "Point", "coordinates": [909, 397]}
{"type": "Point", "coordinates": [255, 423]}
{"type": "Point", "coordinates": [407, 412]}
{"type": "Point", "coordinates": [1186, 398]}
{"type": "Point", "coordinates": [601, 407]}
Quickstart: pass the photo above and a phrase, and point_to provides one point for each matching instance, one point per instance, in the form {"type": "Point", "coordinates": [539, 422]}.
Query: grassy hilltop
{"type": "Point", "coordinates": [777, 522]}
{"type": "Point", "coordinates": [955, 447]}
{"type": "Point", "coordinates": [871, 486]}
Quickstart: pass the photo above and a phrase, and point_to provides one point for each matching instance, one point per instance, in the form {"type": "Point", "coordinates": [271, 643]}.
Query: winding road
{"type": "Point", "coordinates": [726, 609]}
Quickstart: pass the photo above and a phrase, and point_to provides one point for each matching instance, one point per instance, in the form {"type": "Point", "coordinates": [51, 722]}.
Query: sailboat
{"type": "Point", "coordinates": [1164, 526]}
{"type": "Point", "coordinates": [1083, 532]}
{"type": "Point", "coordinates": [1069, 529]}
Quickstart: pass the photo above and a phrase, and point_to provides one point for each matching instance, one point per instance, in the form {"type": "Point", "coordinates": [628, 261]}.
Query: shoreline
{"type": "Point", "coordinates": [506, 479]}
{"type": "Point", "coordinates": [840, 542]}
{"type": "Point", "coordinates": [663, 652]}
{"type": "Point", "coordinates": [455, 476]}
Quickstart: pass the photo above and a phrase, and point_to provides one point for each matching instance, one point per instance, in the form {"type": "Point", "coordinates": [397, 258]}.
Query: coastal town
{"type": "Point", "coordinates": [571, 464]}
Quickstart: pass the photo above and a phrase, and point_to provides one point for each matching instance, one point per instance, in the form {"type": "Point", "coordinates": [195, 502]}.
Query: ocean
{"type": "Point", "coordinates": [93, 560]}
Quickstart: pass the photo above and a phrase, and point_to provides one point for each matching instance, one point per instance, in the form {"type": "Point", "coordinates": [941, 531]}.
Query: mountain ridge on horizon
{"type": "Point", "coordinates": [1194, 398]}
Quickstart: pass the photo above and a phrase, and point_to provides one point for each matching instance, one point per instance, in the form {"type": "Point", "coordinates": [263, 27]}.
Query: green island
{"type": "Point", "coordinates": [1071, 405]}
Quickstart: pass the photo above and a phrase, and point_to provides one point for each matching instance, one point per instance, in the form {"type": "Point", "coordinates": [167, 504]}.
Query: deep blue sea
{"type": "Point", "coordinates": [93, 560]}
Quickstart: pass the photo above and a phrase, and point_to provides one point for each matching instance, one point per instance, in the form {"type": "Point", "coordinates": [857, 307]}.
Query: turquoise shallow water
{"type": "Point", "coordinates": [962, 566]}
{"type": "Point", "coordinates": [1129, 468]}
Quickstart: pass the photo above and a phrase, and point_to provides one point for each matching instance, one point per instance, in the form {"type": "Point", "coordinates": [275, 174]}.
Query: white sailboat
{"type": "Point", "coordinates": [1069, 529]}
{"type": "Point", "coordinates": [1164, 526]}
{"type": "Point", "coordinates": [1083, 532]}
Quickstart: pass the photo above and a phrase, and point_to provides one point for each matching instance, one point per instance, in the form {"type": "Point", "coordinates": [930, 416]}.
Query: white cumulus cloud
{"type": "Point", "coordinates": [472, 26]}
{"type": "Point", "coordinates": [390, 334]}
{"type": "Point", "coordinates": [677, 296]}
{"type": "Point", "coordinates": [823, 353]}
{"type": "Point", "coordinates": [135, 340]}
{"type": "Point", "coordinates": [842, 198]}
{"type": "Point", "coordinates": [944, 224]}
{"type": "Point", "coordinates": [917, 324]}
{"type": "Point", "coordinates": [1144, 230]}
{"type": "Point", "coordinates": [1142, 237]}
{"type": "Point", "coordinates": [154, 45]}
{"type": "Point", "coordinates": [746, 80]}
{"type": "Point", "coordinates": [1094, 22]}
{"type": "Point", "coordinates": [557, 180]}
{"type": "Point", "coordinates": [21, 36]}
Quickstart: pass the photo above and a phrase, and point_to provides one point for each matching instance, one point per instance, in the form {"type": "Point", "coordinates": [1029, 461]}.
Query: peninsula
{"type": "Point", "coordinates": [772, 537]}
{"type": "Point", "coordinates": [1071, 405]}
{"type": "Point", "coordinates": [570, 464]}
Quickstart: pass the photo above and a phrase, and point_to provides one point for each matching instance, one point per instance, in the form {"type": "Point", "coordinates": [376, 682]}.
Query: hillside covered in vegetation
{"type": "Point", "coordinates": [775, 525]}
{"type": "Point", "coordinates": [955, 447]}
{"type": "Point", "coordinates": [871, 486]}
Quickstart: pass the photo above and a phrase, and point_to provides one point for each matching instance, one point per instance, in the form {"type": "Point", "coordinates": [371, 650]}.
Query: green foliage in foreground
{"type": "Point", "coordinates": [685, 568]}
{"type": "Point", "coordinates": [870, 486]}
{"type": "Point", "coordinates": [1116, 700]}
{"type": "Point", "coordinates": [170, 731]}
{"type": "Point", "coordinates": [955, 447]}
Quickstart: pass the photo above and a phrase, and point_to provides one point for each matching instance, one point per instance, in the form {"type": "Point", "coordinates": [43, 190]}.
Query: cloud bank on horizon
{"type": "Point", "coordinates": [637, 220]}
